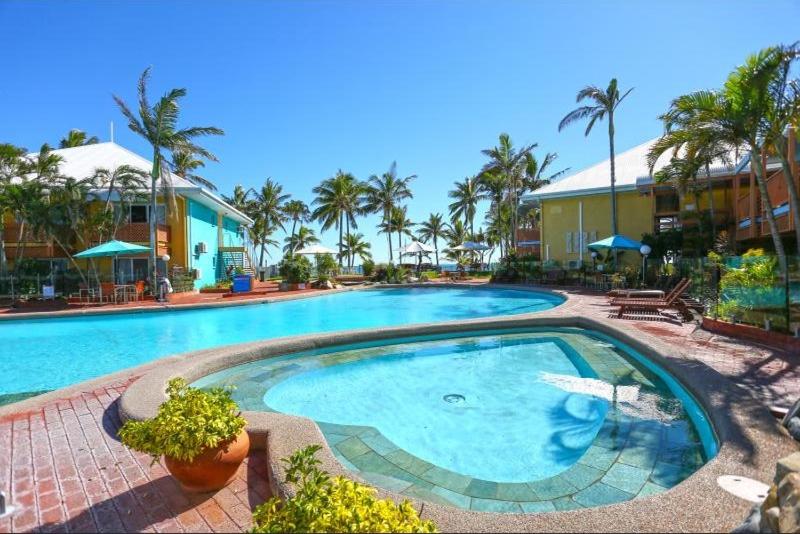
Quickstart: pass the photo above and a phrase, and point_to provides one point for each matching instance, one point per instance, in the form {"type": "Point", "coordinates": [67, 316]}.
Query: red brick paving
{"type": "Point", "coordinates": [65, 471]}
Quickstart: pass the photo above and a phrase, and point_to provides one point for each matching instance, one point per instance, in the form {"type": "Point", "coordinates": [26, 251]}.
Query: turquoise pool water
{"type": "Point", "coordinates": [46, 354]}
{"type": "Point", "coordinates": [538, 420]}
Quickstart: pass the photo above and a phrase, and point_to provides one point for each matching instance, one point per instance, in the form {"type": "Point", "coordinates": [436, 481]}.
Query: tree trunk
{"type": "Point", "coordinates": [711, 203]}
{"type": "Point", "coordinates": [436, 250]}
{"type": "Point", "coordinates": [261, 255]}
{"type": "Point", "coordinates": [794, 198]}
{"type": "Point", "coordinates": [3, 258]}
{"type": "Point", "coordinates": [767, 204]}
{"type": "Point", "coordinates": [388, 233]}
{"type": "Point", "coordinates": [613, 180]}
{"type": "Point", "coordinates": [340, 240]}
{"type": "Point", "coordinates": [291, 239]}
{"type": "Point", "coordinates": [347, 234]}
{"type": "Point", "coordinates": [153, 221]}
{"type": "Point", "coordinates": [20, 250]}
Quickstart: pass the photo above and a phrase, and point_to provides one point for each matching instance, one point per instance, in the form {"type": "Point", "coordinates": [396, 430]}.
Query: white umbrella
{"type": "Point", "coordinates": [417, 247]}
{"type": "Point", "coordinates": [315, 249]}
{"type": "Point", "coordinates": [471, 245]}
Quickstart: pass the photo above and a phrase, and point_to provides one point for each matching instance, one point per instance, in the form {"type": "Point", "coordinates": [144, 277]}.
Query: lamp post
{"type": "Point", "coordinates": [645, 250]}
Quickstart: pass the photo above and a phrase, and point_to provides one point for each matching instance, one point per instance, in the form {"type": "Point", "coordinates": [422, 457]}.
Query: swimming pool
{"type": "Point", "coordinates": [45, 354]}
{"type": "Point", "coordinates": [546, 419]}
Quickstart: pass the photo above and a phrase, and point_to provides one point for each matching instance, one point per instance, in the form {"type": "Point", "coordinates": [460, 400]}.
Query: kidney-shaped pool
{"type": "Point", "coordinates": [541, 420]}
{"type": "Point", "coordinates": [45, 354]}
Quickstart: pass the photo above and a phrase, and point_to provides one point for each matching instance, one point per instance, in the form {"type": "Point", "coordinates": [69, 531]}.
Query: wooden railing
{"type": "Point", "coordinates": [140, 233]}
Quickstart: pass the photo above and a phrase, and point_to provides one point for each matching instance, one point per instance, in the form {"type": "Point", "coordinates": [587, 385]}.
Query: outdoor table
{"type": "Point", "coordinates": [125, 290]}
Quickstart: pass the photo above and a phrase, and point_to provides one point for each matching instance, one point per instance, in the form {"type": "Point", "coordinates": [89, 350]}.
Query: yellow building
{"type": "Point", "coordinates": [203, 235]}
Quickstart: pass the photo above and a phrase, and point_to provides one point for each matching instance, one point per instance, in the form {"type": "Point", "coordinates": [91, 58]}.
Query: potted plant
{"type": "Point", "coordinates": [199, 433]}
{"type": "Point", "coordinates": [295, 270]}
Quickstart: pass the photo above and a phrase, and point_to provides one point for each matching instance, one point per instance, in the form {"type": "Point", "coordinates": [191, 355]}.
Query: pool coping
{"type": "Point", "coordinates": [751, 441]}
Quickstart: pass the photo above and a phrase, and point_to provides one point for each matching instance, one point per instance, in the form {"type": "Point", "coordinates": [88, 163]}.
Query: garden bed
{"type": "Point", "coordinates": [752, 333]}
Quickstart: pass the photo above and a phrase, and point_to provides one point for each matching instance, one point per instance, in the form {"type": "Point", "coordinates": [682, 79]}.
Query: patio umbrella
{"type": "Point", "coordinates": [472, 245]}
{"type": "Point", "coordinates": [112, 249]}
{"type": "Point", "coordinates": [315, 249]}
{"type": "Point", "coordinates": [619, 242]}
{"type": "Point", "coordinates": [419, 248]}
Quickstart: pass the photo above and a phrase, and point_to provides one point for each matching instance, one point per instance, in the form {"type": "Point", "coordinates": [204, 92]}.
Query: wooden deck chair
{"type": "Point", "coordinates": [673, 300]}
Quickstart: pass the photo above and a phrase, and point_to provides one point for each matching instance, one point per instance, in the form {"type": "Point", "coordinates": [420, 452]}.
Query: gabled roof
{"type": "Point", "coordinates": [82, 161]}
{"type": "Point", "coordinates": [630, 166]}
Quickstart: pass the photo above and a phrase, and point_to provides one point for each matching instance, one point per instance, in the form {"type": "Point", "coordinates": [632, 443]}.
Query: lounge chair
{"type": "Point", "coordinates": [672, 300]}
{"type": "Point", "coordinates": [641, 293]}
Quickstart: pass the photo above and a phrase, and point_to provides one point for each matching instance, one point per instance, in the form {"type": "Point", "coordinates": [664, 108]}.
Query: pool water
{"type": "Point", "coordinates": [542, 420]}
{"type": "Point", "coordinates": [46, 354]}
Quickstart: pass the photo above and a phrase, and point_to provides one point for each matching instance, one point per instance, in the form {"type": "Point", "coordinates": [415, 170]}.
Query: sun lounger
{"type": "Point", "coordinates": [672, 300]}
{"type": "Point", "coordinates": [636, 294]}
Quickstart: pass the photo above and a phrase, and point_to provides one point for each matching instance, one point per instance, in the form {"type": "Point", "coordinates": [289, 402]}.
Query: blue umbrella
{"type": "Point", "coordinates": [619, 242]}
{"type": "Point", "coordinates": [113, 249]}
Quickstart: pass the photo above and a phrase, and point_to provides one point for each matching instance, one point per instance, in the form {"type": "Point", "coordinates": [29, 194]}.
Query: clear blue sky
{"type": "Point", "coordinates": [305, 88]}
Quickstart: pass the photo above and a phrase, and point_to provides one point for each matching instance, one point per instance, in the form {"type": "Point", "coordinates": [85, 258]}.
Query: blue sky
{"type": "Point", "coordinates": [305, 88]}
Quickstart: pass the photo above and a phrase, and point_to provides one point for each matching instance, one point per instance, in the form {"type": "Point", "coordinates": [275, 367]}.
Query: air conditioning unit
{"type": "Point", "coordinates": [197, 274]}
{"type": "Point", "coordinates": [202, 248]}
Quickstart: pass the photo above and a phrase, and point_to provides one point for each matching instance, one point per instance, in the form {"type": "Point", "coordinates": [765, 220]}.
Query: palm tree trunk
{"type": "Point", "coordinates": [291, 239]}
{"type": "Point", "coordinates": [767, 203]}
{"type": "Point", "coordinates": [347, 233]}
{"type": "Point", "coordinates": [436, 250]}
{"type": "Point", "coordinates": [20, 251]}
{"type": "Point", "coordinates": [794, 197]}
{"type": "Point", "coordinates": [153, 218]}
{"type": "Point", "coordinates": [340, 241]}
{"type": "Point", "coordinates": [261, 255]}
{"type": "Point", "coordinates": [613, 180]}
{"type": "Point", "coordinates": [3, 258]}
{"type": "Point", "coordinates": [711, 203]}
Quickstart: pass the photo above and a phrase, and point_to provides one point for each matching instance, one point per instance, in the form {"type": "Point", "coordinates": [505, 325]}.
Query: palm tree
{"type": "Point", "coordinates": [536, 174]}
{"type": "Point", "coordinates": [184, 163]}
{"type": "Point", "coordinates": [303, 238]}
{"type": "Point", "coordinates": [384, 193]}
{"type": "Point", "coordinates": [77, 138]}
{"type": "Point", "coordinates": [240, 199]}
{"type": "Point", "coordinates": [401, 224]}
{"type": "Point", "coordinates": [602, 104]}
{"type": "Point", "coordinates": [268, 206]}
{"type": "Point", "coordinates": [338, 201]}
{"type": "Point", "coordinates": [508, 162]}
{"type": "Point", "coordinates": [126, 181]}
{"type": "Point", "coordinates": [455, 234]}
{"type": "Point", "coordinates": [12, 165]}
{"type": "Point", "coordinates": [158, 125]}
{"type": "Point", "coordinates": [298, 212]}
{"type": "Point", "coordinates": [355, 245]}
{"type": "Point", "coordinates": [432, 230]}
{"type": "Point", "coordinates": [465, 197]}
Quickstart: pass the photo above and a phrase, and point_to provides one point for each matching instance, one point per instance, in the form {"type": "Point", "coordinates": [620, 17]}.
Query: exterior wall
{"type": "Point", "coordinates": [230, 234]}
{"type": "Point", "coordinates": [561, 216]}
{"type": "Point", "coordinates": [179, 251]}
{"type": "Point", "coordinates": [202, 228]}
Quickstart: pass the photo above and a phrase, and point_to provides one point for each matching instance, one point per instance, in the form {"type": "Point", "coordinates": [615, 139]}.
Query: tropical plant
{"type": "Point", "coordinates": [368, 267]}
{"type": "Point", "coordinates": [339, 199]}
{"type": "Point", "coordinates": [13, 164]}
{"type": "Point", "coordinates": [384, 193]}
{"type": "Point", "coordinates": [324, 504]}
{"type": "Point", "coordinates": [465, 197]}
{"type": "Point", "coordinates": [603, 104]}
{"type": "Point", "coordinates": [355, 245]}
{"type": "Point", "coordinates": [77, 138]}
{"type": "Point", "coordinates": [538, 174]}
{"type": "Point", "coordinates": [267, 208]}
{"type": "Point", "coordinates": [398, 222]}
{"type": "Point", "coordinates": [297, 211]}
{"type": "Point", "coordinates": [456, 234]}
{"type": "Point", "coordinates": [326, 267]}
{"type": "Point", "coordinates": [295, 269]}
{"type": "Point", "coordinates": [184, 164]}
{"type": "Point", "coordinates": [303, 238]}
{"type": "Point", "coordinates": [189, 422]}
{"type": "Point", "coordinates": [509, 163]}
{"type": "Point", "coordinates": [432, 230]}
{"type": "Point", "coordinates": [158, 125]}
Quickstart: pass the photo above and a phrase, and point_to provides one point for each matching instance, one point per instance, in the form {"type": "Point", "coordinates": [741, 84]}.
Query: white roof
{"type": "Point", "coordinates": [80, 162]}
{"type": "Point", "coordinates": [630, 166]}
{"type": "Point", "coordinates": [315, 249]}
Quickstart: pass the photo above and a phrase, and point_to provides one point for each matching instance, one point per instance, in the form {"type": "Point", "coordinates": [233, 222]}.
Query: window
{"type": "Point", "coordinates": [138, 214]}
{"type": "Point", "coordinates": [667, 203]}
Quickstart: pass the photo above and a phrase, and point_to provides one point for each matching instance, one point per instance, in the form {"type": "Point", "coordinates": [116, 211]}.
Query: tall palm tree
{"type": "Point", "coordinates": [384, 193]}
{"type": "Point", "coordinates": [465, 197]}
{"type": "Point", "coordinates": [77, 138]}
{"type": "Point", "coordinates": [355, 245]}
{"type": "Point", "coordinates": [126, 181]}
{"type": "Point", "coordinates": [455, 234]}
{"type": "Point", "coordinates": [302, 238]}
{"type": "Point", "coordinates": [158, 125]}
{"type": "Point", "coordinates": [509, 162]}
{"type": "Point", "coordinates": [339, 200]}
{"type": "Point", "coordinates": [603, 103]}
{"type": "Point", "coordinates": [268, 206]}
{"type": "Point", "coordinates": [432, 230]}
{"type": "Point", "coordinates": [184, 163]}
{"type": "Point", "coordinates": [12, 165]}
{"type": "Point", "coordinates": [298, 212]}
{"type": "Point", "coordinates": [401, 224]}
{"type": "Point", "coordinates": [537, 174]}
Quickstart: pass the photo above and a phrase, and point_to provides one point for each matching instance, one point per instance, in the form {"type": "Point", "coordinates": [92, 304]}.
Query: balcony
{"type": "Point", "coordinates": [779, 197]}
{"type": "Point", "coordinates": [140, 233]}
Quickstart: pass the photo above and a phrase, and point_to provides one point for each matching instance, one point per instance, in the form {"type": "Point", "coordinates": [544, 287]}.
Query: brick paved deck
{"type": "Point", "coordinates": [65, 471]}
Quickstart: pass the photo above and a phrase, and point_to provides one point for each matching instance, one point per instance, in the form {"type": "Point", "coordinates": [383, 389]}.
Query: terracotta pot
{"type": "Point", "coordinates": [213, 469]}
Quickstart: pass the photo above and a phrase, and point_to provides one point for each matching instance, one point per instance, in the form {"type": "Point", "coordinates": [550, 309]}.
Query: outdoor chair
{"type": "Point", "coordinates": [672, 300]}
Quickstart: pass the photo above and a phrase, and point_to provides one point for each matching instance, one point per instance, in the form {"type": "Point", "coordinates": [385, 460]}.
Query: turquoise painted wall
{"type": "Point", "coordinates": [230, 233]}
{"type": "Point", "coordinates": [202, 223]}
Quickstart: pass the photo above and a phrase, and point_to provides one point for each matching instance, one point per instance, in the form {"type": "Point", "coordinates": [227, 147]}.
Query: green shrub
{"type": "Point", "coordinates": [368, 267]}
{"type": "Point", "coordinates": [190, 421]}
{"type": "Point", "coordinates": [326, 267]}
{"type": "Point", "coordinates": [325, 504]}
{"type": "Point", "coordinates": [295, 269]}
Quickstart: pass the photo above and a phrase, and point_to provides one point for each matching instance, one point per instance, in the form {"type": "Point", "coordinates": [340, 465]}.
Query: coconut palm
{"type": "Point", "coordinates": [184, 163]}
{"type": "Point", "coordinates": [304, 237]}
{"type": "Point", "coordinates": [384, 193]}
{"type": "Point", "coordinates": [355, 245]}
{"type": "Point", "coordinates": [603, 103]}
{"type": "Point", "coordinates": [12, 164]}
{"type": "Point", "coordinates": [339, 199]}
{"type": "Point", "coordinates": [297, 211]}
{"type": "Point", "coordinates": [268, 207]}
{"type": "Point", "coordinates": [455, 234]}
{"type": "Point", "coordinates": [401, 224]}
{"type": "Point", "coordinates": [538, 174]}
{"type": "Point", "coordinates": [432, 230]}
{"type": "Point", "coordinates": [77, 138]}
{"type": "Point", "coordinates": [158, 125]}
{"type": "Point", "coordinates": [127, 182]}
{"type": "Point", "coordinates": [465, 197]}
{"type": "Point", "coordinates": [240, 199]}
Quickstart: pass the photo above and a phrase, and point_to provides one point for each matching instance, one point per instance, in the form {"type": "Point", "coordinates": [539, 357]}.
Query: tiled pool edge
{"type": "Point", "coordinates": [751, 442]}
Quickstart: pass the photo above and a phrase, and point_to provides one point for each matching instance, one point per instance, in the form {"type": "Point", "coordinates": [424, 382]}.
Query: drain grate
{"type": "Point", "coordinates": [454, 398]}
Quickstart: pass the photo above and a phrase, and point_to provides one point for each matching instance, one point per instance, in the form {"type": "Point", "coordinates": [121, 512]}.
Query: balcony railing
{"type": "Point", "coordinates": [140, 233]}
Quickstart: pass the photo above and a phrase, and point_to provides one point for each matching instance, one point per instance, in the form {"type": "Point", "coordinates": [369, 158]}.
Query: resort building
{"type": "Point", "coordinates": [201, 233]}
{"type": "Point", "coordinates": [576, 210]}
